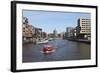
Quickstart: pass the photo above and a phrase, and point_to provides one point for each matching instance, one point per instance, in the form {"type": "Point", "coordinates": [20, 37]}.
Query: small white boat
{"type": "Point", "coordinates": [50, 39]}
{"type": "Point", "coordinates": [42, 42]}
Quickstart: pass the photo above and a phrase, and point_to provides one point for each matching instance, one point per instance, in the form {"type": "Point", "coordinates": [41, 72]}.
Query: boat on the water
{"type": "Point", "coordinates": [48, 49]}
{"type": "Point", "coordinates": [42, 42]}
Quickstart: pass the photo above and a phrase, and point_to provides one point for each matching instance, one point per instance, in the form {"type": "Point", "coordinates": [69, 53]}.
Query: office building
{"type": "Point", "coordinates": [83, 28]}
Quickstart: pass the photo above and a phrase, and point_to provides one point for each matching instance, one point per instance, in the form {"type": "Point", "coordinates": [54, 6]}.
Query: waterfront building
{"type": "Point", "coordinates": [55, 33]}
{"type": "Point", "coordinates": [83, 28]}
{"type": "Point", "coordinates": [31, 33]}
{"type": "Point", "coordinates": [27, 32]}
{"type": "Point", "coordinates": [50, 35]}
{"type": "Point", "coordinates": [73, 33]}
{"type": "Point", "coordinates": [38, 33]}
{"type": "Point", "coordinates": [61, 35]}
{"type": "Point", "coordinates": [69, 32]}
{"type": "Point", "coordinates": [25, 20]}
{"type": "Point", "coordinates": [44, 35]}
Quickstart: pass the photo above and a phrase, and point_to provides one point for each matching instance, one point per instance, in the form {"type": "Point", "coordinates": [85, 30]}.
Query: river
{"type": "Point", "coordinates": [65, 50]}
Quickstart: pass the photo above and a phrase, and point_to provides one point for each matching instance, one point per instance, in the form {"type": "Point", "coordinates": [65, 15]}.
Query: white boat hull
{"type": "Point", "coordinates": [42, 42]}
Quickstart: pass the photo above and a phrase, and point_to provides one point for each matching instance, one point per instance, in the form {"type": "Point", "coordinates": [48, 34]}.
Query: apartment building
{"type": "Point", "coordinates": [83, 28]}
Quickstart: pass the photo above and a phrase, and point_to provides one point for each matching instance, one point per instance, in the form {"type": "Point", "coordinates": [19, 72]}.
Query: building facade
{"type": "Point", "coordinates": [55, 33]}
{"type": "Point", "coordinates": [38, 34]}
{"type": "Point", "coordinates": [74, 33]}
{"type": "Point", "coordinates": [28, 33]}
{"type": "Point", "coordinates": [69, 32]}
{"type": "Point", "coordinates": [83, 28]}
{"type": "Point", "coordinates": [44, 35]}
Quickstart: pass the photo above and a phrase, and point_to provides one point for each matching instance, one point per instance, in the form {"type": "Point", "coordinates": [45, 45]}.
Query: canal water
{"type": "Point", "coordinates": [64, 50]}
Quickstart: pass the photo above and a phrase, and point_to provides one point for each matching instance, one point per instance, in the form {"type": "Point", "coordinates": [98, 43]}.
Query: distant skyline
{"type": "Point", "coordinates": [50, 20]}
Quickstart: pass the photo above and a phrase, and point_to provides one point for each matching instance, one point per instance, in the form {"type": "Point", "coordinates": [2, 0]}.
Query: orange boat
{"type": "Point", "coordinates": [47, 49]}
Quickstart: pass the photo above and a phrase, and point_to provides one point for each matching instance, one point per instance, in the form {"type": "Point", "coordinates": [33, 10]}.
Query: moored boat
{"type": "Point", "coordinates": [42, 42]}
